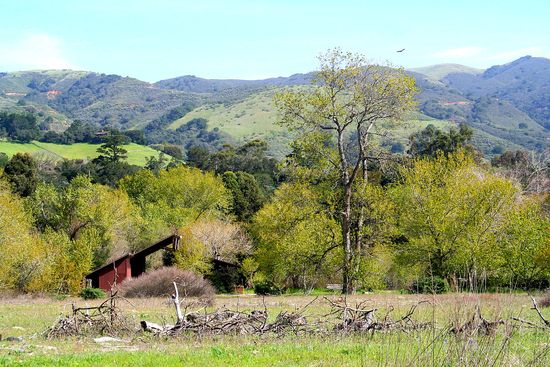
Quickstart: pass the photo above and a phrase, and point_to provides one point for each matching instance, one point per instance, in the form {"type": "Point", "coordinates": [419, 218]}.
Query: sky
{"type": "Point", "coordinates": [160, 39]}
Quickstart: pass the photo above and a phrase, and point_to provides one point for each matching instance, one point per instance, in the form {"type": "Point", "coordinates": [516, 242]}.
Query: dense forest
{"type": "Point", "coordinates": [338, 209]}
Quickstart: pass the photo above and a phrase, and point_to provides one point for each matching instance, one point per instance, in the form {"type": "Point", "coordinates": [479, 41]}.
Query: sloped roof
{"type": "Point", "coordinates": [142, 253]}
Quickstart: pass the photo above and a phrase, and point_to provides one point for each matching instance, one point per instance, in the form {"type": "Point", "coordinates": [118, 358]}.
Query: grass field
{"type": "Point", "coordinates": [137, 154]}
{"type": "Point", "coordinates": [513, 345]}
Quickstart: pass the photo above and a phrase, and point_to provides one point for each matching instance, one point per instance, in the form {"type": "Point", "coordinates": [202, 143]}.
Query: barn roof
{"type": "Point", "coordinates": [142, 253]}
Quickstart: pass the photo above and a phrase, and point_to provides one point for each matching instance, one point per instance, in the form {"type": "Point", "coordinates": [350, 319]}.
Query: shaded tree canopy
{"type": "Point", "coordinates": [21, 172]}
{"type": "Point", "coordinates": [19, 126]}
{"type": "Point", "coordinates": [430, 141]}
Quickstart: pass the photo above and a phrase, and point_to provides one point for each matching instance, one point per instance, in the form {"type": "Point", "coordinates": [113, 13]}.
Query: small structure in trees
{"type": "Point", "coordinates": [225, 276]}
{"type": "Point", "coordinates": [130, 265]}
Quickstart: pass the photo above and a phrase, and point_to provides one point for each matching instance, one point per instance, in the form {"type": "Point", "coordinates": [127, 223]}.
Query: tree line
{"type": "Point", "coordinates": [340, 208]}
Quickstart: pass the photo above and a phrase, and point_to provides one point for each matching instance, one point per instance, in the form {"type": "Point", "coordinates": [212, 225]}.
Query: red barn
{"type": "Point", "coordinates": [129, 265]}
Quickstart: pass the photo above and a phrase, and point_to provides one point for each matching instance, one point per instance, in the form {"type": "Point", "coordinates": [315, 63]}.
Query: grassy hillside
{"type": "Point", "coordinates": [137, 154]}
{"type": "Point", "coordinates": [255, 118]}
{"type": "Point", "coordinates": [252, 117]}
{"type": "Point", "coordinates": [440, 71]}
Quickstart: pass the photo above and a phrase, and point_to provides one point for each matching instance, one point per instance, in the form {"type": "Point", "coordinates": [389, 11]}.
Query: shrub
{"type": "Point", "coordinates": [434, 284]}
{"type": "Point", "coordinates": [266, 288]}
{"type": "Point", "coordinates": [92, 293]}
{"type": "Point", "coordinates": [158, 283]}
{"type": "Point", "coordinates": [545, 300]}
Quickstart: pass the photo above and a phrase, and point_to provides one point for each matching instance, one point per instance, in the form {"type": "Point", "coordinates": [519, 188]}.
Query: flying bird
{"type": "Point", "coordinates": [401, 50]}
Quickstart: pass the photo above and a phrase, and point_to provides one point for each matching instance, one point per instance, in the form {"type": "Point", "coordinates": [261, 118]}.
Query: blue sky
{"type": "Point", "coordinates": [153, 40]}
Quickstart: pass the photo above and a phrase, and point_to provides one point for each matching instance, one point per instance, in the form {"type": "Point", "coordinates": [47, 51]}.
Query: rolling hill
{"type": "Point", "coordinates": [507, 105]}
{"type": "Point", "coordinates": [436, 73]}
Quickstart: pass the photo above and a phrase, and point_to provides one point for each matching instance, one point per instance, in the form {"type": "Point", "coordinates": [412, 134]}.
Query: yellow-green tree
{"type": "Point", "coordinates": [21, 250]}
{"type": "Point", "coordinates": [524, 246]}
{"type": "Point", "coordinates": [298, 243]}
{"type": "Point", "coordinates": [449, 213]}
{"type": "Point", "coordinates": [174, 199]}
{"type": "Point", "coordinates": [93, 214]}
{"type": "Point", "coordinates": [349, 97]}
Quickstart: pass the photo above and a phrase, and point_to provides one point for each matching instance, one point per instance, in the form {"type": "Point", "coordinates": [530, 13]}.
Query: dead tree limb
{"type": "Point", "coordinates": [176, 300]}
{"type": "Point", "coordinates": [536, 308]}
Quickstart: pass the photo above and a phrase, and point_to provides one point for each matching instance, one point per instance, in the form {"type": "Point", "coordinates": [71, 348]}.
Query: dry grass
{"type": "Point", "coordinates": [514, 344]}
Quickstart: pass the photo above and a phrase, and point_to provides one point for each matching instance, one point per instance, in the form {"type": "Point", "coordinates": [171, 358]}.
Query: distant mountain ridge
{"type": "Point", "coordinates": [193, 84]}
{"type": "Point", "coordinates": [510, 102]}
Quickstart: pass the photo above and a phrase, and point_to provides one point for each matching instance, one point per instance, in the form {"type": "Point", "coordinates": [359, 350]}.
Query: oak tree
{"type": "Point", "coordinates": [349, 97]}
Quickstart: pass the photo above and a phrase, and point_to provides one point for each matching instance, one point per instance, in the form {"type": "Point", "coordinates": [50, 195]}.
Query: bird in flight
{"type": "Point", "coordinates": [401, 50]}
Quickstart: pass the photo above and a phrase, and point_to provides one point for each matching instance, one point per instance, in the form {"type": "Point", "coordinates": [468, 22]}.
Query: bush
{"type": "Point", "coordinates": [434, 284]}
{"type": "Point", "coordinates": [92, 293]}
{"type": "Point", "coordinates": [158, 283]}
{"type": "Point", "coordinates": [545, 300]}
{"type": "Point", "coordinates": [266, 288]}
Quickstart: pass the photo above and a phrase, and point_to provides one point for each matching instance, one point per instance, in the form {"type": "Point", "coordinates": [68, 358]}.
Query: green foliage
{"type": "Point", "coordinates": [112, 149]}
{"type": "Point", "coordinates": [250, 157]}
{"type": "Point", "coordinates": [19, 127]}
{"type": "Point", "coordinates": [430, 285]}
{"type": "Point", "coordinates": [249, 267]}
{"type": "Point", "coordinates": [21, 172]}
{"type": "Point", "coordinates": [20, 249]}
{"type": "Point", "coordinates": [92, 293]}
{"type": "Point", "coordinates": [173, 199]}
{"type": "Point", "coordinates": [266, 289]}
{"type": "Point", "coordinates": [524, 246]}
{"type": "Point", "coordinates": [3, 159]}
{"type": "Point", "coordinates": [297, 240]}
{"type": "Point", "coordinates": [350, 97]}
{"type": "Point", "coordinates": [97, 220]}
{"type": "Point", "coordinates": [246, 194]}
{"type": "Point", "coordinates": [193, 256]}
{"type": "Point", "coordinates": [431, 141]}
{"type": "Point", "coordinates": [448, 211]}
{"type": "Point", "coordinates": [78, 132]}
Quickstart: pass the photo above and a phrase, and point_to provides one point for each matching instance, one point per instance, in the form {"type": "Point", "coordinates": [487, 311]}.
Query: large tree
{"type": "Point", "coordinates": [22, 173]}
{"type": "Point", "coordinates": [349, 97]}
{"type": "Point", "coordinates": [450, 213]}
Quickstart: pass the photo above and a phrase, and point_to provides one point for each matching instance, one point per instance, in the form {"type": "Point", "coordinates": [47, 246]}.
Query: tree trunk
{"type": "Point", "coordinates": [347, 283]}
{"type": "Point", "coordinates": [359, 246]}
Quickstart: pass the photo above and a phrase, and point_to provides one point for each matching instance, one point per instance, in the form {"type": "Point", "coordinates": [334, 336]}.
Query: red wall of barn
{"type": "Point", "coordinates": [123, 272]}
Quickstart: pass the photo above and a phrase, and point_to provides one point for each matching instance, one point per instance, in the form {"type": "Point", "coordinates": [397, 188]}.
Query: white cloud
{"type": "Point", "coordinates": [461, 52]}
{"type": "Point", "coordinates": [33, 51]}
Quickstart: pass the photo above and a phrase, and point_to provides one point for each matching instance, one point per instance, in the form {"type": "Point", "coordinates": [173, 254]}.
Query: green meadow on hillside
{"type": "Point", "coordinates": [255, 117]}
{"type": "Point", "coordinates": [137, 154]}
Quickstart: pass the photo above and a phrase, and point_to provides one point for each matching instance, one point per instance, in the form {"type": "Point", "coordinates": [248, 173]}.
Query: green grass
{"type": "Point", "coordinates": [253, 117]}
{"type": "Point", "coordinates": [439, 71]}
{"type": "Point", "coordinates": [137, 154]}
{"type": "Point", "coordinates": [365, 350]}
{"type": "Point", "coordinates": [512, 346]}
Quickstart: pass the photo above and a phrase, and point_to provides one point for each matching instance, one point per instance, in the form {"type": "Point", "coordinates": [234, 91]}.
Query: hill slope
{"type": "Point", "coordinates": [525, 83]}
{"type": "Point", "coordinates": [440, 71]}
{"type": "Point", "coordinates": [508, 105]}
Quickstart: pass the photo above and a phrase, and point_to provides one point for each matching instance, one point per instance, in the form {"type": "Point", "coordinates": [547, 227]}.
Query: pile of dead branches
{"type": "Point", "coordinates": [360, 319]}
{"type": "Point", "coordinates": [226, 321]}
{"type": "Point", "coordinates": [342, 319]}
{"type": "Point", "coordinates": [105, 319]}
{"type": "Point", "coordinates": [477, 325]}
